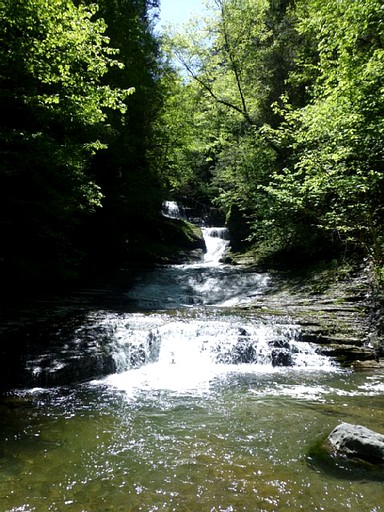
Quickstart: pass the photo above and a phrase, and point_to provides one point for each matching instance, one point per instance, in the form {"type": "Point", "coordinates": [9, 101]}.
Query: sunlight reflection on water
{"type": "Point", "coordinates": [240, 442]}
{"type": "Point", "coordinates": [194, 428]}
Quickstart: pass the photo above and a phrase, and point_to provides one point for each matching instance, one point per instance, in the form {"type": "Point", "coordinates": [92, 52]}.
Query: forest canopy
{"type": "Point", "coordinates": [285, 127]}
{"type": "Point", "coordinates": [270, 111]}
{"type": "Point", "coordinates": [73, 149]}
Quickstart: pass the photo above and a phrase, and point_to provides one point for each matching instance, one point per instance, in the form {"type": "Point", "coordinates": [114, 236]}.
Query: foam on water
{"type": "Point", "coordinates": [186, 355]}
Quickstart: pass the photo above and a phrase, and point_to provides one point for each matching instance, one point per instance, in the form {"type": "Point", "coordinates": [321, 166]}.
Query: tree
{"type": "Point", "coordinates": [217, 53]}
{"type": "Point", "coordinates": [337, 137]}
{"type": "Point", "coordinates": [126, 170]}
{"type": "Point", "coordinates": [54, 104]}
{"type": "Point", "coordinates": [291, 100]}
{"type": "Point", "coordinates": [238, 59]}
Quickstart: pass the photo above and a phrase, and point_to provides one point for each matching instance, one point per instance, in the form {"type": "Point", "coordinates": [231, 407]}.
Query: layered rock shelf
{"type": "Point", "coordinates": [335, 315]}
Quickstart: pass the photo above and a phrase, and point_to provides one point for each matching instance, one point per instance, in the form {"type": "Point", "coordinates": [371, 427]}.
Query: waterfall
{"type": "Point", "coordinates": [217, 243]}
{"type": "Point", "coordinates": [139, 340]}
{"type": "Point", "coordinates": [186, 355]}
{"type": "Point", "coordinates": [216, 238]}
{"type": "Point", "coordinates": [173, 210]}
{"type": "Point", "coordinates": [182, 317]}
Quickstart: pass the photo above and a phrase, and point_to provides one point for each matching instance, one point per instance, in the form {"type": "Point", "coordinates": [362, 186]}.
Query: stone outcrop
{"type": "Point", "coordinates": [51, 354]}
{"type": "Point", "coordinates": [356, 442]}
{"type": "Point", "coordinates": [334, 315]}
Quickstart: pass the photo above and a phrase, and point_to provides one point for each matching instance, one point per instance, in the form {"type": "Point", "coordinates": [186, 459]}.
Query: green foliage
{"type": "Point", "coordinates": [188, 139]}
{"type": "Point", "coordinates": [337, 137]}
{"type": "Point", "coordinates": [291, 94]}
{"type": "Point", "coordinates": [128, 170]}
{"type": "Point", "coordinates": [276, 118]}
{"type": "Point", "coordinates": [218, 52]}
{"type": "Point", "coordinates": [55, 55]}
{"type": "Point", "coordinates": [53, 102]}
{"type": "Point", "coordinates": [236, 62]}
{"type": "Point", "coordinates": [242, 167]}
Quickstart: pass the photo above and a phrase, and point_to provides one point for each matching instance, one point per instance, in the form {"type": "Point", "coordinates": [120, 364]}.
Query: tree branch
{"type": "Point", "coordinates": [210, 91]}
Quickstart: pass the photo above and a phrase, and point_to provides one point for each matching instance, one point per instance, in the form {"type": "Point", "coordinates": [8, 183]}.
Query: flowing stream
{"type": "Point", "coordinates": [210, 407]}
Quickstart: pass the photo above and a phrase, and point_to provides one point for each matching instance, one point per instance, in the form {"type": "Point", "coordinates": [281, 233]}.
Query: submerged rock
{"type": "Point", "coordinates": [356, 442]}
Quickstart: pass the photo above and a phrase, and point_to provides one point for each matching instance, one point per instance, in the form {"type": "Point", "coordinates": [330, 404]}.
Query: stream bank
{"type": "Point", "coordinates": [334, 304]}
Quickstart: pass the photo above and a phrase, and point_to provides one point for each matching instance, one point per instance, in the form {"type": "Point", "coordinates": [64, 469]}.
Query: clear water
{"type": "Point", "coordinates": [239, 442]}
{"type": "Point", "coordinates": [190, 430]}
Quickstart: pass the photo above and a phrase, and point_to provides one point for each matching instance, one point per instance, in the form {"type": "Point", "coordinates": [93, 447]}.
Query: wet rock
{"type": "Point", "coordinates": [244, 350]}
{"type": "Point", "coordinates": [138, 356]}
{"type": "Point", "coordinates": [281, 353]}
{"type": "Point", "coordinates": [280, 344]}
{"type": "Point", "coordinates": [348, 353]}
{"type": "Point", "coordinates": [281, 358]}
{"type": "Point", "coordinates": [356, 442]}
{"type": "Point", "coordinates": [371, 364]}
{"type": "Point", "coordinates": [56, 353]}
{"type": "Point", "coordinates": [336, 318]}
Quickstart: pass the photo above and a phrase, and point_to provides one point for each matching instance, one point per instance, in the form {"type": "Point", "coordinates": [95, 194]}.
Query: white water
{"type": "Point", "coordinates": [197, 346]}
{"type": "Point", "coordinates": [217, 243]}
{"type": "Point", "coordinates": [216, 238]}
{"type": "Point", "coordinates": [189, 354]}
{"type": "Point", "coordinates": [181, 326]}
{"type": "Point", "coordinates": [173, 210]}
{"type": "Point", "coordinates": [184, 342]}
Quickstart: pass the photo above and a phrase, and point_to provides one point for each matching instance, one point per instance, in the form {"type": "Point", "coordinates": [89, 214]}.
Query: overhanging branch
{"type": "Point", "coordinates": [243, 111]}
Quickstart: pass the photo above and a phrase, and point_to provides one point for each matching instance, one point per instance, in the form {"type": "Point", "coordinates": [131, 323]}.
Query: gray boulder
{"type": "Point", "coordinates": [357, 442]}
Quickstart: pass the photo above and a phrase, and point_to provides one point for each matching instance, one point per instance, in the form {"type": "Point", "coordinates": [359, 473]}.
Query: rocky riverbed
{"type": "Point", "coordinates": [333, 310]}
{"type": "Point", "coordinates": [335, 313]}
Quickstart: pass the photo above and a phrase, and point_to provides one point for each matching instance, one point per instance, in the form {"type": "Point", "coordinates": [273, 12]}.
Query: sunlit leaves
{"type": "Point", "coordinates": [66, 52]}
{"type": "Point", "coordinates": [55, 103]}
{"type": "Point", "coordinates": [293, 94]}
{"type": "Point", "coordinates": [337, 136]}
{"type": "Point", "coordinates": [219, 53]}
{"type": "Point", "coordinates": [54, 56]}
{"type": "Point", "coordinates": [226, 81]}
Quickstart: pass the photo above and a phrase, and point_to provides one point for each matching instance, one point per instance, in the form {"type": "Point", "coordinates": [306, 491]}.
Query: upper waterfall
{"type": "Point", "coordinates": [216, 238]}
{"type": "Point", "coordinates": [173, 210]}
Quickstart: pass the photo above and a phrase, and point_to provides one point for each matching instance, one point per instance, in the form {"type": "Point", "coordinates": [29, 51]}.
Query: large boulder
{"type": "Point", "coordinates": [357, 442]}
